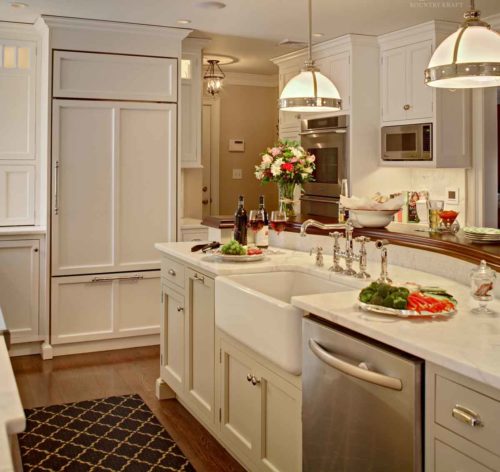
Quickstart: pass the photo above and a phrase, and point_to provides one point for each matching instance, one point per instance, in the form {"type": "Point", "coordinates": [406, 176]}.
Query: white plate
{"type": "Point", "coordinates": [231, 258]}
{"type": "Point", "coordinates": [382, 310]}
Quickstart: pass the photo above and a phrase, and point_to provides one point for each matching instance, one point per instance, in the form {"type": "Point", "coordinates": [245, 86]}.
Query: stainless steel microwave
{"type": "Point", "coordinates": [407, 142]}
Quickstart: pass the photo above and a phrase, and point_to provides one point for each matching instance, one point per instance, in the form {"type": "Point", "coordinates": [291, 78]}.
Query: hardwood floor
{"type": "Point", "coordinates": [96, 375]}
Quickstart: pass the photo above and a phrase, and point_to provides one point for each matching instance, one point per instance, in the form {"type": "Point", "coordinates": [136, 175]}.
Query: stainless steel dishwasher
{"type": "Point", "coordinates": [362, 404]}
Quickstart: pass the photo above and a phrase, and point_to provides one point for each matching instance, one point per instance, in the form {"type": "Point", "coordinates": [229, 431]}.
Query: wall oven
{"type": "Point", "coordinates": [326, 138]}
{"type": "Point", "coordinates": [407, 142]}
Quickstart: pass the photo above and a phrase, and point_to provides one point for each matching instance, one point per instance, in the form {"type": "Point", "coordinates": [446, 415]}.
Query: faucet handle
{"type": "Point", "coordinates": [362, 239]}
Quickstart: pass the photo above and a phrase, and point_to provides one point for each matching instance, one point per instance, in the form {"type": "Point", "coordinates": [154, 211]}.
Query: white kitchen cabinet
{"type": "Point", "coordinates": [113, 167]}
{"type": "Point", "coordinates": [17, 195]}
{"type": "Point", "coordinates": [404, 93]}
{"type": "Point", "coordinates": [461, 423]}
{"type": "Point", "coordinates": [92, 308]}
{"type": "Point", "coordinates": [17, 99]}
{"type": "Point", "coordinates": [289, 122]}
{"type": "Point", "coordinates": [173, 339]}
{"type": "Point", "coordinates": [19, 288]}
{"type": "Point", "coordinates": [191, 103]}
{"type": "Point", "coordinates": [114, 76]}
{"type": "Point", "coordinates": [338, 69]}
{"type": "Point", "coordinates": [260, 411]}
{"type": "Point", "coordinates": [200, 345]}
{"type": "Point", "coordinates": [192, 234]}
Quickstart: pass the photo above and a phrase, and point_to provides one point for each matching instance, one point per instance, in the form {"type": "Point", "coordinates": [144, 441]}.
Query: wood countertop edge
{"type": "Point", "coordinates": [439, 244]}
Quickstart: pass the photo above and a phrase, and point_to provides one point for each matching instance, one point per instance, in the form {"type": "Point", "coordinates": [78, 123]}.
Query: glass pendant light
{"type": "Point", "coordinates": [214, 77]}
{"type": "Point", "coordinates": [310, 91]}
{"type": "Point", "coordinates": [468, 58]}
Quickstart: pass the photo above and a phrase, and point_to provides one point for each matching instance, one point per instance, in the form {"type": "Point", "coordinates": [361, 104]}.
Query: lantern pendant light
{"type": "Point", "coordinates": [468, 58]}
{"type": "Point", "coordinates": [310, 91]}
{"type": "Point", "coordinates": [214, 77]}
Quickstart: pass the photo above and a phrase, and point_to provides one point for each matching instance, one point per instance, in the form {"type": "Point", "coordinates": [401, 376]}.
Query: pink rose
{"type": "Point", "coordinates": [293, 159]}
{"type": "Point", "coordinates": [311, 158]}
{"type": "Point", "coordinates": [275, 151]}
{"type": "Point", "coordinates": [267, 159]}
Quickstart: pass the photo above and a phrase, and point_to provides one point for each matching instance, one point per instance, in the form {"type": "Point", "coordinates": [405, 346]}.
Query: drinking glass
{"type": "Point", "coordinates": [435, 208]}
{"type": "Point", "coordinates": [278, 221]}
{"type": "Point", "coordinates": [256, 221]}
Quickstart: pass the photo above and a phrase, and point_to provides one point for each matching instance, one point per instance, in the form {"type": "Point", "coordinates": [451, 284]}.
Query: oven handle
{"type": "Point", "coordinates": [324, 131]}
{"type": "Point", "coordinates": [353, 370]}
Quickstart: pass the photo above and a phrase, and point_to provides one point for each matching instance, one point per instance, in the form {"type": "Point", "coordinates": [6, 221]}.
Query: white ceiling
{"type": "Point", "coordinates": [265, 21]}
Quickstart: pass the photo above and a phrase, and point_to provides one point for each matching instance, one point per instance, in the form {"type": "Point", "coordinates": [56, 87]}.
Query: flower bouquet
{"type": "Point", "coordinates": [287, 164]}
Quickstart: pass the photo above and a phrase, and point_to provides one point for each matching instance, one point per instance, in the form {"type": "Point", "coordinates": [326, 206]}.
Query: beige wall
{"type": "Point", "coordinates": [250, 113]}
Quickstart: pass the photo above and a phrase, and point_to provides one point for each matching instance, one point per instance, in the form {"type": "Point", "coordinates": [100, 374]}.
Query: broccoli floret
{"type": "Point", "coordinates": [377, 300]}
{"type": "Point", "coordinates": [366, 295]}
{"type": "Point", "coordinates": [400, 303]}
{"type": "Point", "coordinates": [388, 302]}
{"type": "Point", "coordinates": [374, 286]}
{"type": "Point", "coordinates": [383, 290]}
{"type": "Point", "coordinates": [403, 291]}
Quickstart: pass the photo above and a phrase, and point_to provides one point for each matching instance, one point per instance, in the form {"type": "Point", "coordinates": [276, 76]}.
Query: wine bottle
{"type": "Point", "coordinates": [262, 236]}
{"type": "Point", "coordinates": [240, 222]}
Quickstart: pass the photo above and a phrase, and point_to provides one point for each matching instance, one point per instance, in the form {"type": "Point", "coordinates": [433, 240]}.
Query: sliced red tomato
{"type": "Point", "coordinates": [254, 252]}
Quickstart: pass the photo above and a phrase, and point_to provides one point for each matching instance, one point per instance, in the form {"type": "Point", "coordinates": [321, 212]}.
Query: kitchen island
{"type": "Point", "coordinates": [203, 362]}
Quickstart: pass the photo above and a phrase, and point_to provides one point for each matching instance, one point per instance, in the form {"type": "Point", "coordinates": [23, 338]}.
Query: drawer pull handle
{"type": "Point", "coordinates": [199, 278]}
{"type": "Point", "coordinates": [179, 308]}
{"type": "Point", "coordinates": [110, 279]}
{"type": "Point", "coordinates": [463, 414]}
{"type": "Point", "coordinates": [172, 272]}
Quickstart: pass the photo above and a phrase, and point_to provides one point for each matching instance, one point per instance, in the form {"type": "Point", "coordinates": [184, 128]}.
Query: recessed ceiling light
{"type": "Point", "coordinates": [211, 5]}
{"type": "Point", "coordinates": [18, 5]}
{"type": "Point", "coordinates": [318, 35]}
{"type": "Point", "coordinates": [183, 21]}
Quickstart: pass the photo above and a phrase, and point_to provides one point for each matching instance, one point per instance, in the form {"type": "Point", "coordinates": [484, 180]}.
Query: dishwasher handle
{"type": "Point", "coordinates": [353, 370]}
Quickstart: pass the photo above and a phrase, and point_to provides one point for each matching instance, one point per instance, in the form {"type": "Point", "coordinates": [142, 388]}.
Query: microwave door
{"type": "Point", "coordinates": [401, 143]}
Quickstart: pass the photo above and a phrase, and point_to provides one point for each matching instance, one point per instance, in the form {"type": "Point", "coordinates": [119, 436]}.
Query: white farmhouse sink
{"type": "Point", "coordinates": [255, 309]}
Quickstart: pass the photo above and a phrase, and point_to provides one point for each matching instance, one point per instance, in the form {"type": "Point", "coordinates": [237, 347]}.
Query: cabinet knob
{"type": "Point", "coordinates": [179, 308]}
{"type": "Point", "coordinates": [406, 107]}
{"type": "Point", "coordinates": [199, 278]}
{"type": "Point", "coordinates": [255, 380]}
{"type": "Point", "coordinates": [35, 250]}
{"type": "Point", "coordinates": [205, 201]}
{"type": "Point", "coordinates": [172, 272]}
{"type": "Point", "coordinates": [205, 188]}
{"type": "Point", "coordinates": [249, 377]}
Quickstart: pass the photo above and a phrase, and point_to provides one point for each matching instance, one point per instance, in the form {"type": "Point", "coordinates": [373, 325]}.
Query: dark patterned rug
{"type": "Point", "coordinates": [111, 434]}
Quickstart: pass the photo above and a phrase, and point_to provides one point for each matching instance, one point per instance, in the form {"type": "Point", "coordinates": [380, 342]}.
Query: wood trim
{"type": "Point", "coordinates": [456, 246]}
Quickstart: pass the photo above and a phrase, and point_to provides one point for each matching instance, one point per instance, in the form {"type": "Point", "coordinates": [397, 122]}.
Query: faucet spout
{"type": "Point", "coordinates": [317, 224]}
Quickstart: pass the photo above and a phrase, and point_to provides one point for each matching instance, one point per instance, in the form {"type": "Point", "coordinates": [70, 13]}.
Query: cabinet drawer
{"type": "Point", "coordinates": [172, 271]}
{"type": "Point", "coordinates": [454, 401]}
{"type": "Point", "coordinates": [448, 459]}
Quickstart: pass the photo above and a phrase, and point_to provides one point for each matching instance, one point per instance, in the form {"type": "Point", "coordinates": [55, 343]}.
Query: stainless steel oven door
{"type": "Point", "coordinates": [402, 143]}
{"type": "Point", "coordinates": [329, 147]}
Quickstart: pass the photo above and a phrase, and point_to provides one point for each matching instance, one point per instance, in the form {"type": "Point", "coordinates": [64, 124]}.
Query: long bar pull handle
{"type": "Point", "coordinates": [110, 279]}
{"type": "Point", "coordinates": [463, 414]}
{"type": "Point", "coordinates": [353, 370]}
{"type": "Point", "coordinates": [56, 188]}
{"type": "Point", "coordinates": [199, 278]}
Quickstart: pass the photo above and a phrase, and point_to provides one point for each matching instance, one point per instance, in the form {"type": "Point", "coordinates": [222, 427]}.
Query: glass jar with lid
{"type": "Point", "coordinates": [482, 285]}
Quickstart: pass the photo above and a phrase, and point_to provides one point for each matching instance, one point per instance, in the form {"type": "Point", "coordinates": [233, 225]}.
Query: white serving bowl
{"type": "Point", "coordinates": [371, 218]}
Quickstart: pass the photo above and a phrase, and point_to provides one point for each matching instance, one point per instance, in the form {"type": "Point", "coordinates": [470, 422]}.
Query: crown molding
{"type": "Point", "coordinates": [18, 30]}
{"type": "Point", "coordinates": [251, 80]}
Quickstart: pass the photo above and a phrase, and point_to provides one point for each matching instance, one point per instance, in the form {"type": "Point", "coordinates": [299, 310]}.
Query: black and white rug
{"type": "Point", "coordinates": [111, 434]}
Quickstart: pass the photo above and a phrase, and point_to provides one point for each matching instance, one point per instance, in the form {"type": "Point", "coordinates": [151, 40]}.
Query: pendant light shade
{"type": "Point", "coordinates": [468, 58]}
{"type": "Point", "coordinates": [310, 90]}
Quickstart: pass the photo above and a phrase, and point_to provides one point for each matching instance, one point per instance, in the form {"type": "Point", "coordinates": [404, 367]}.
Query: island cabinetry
{"type": "Point", "coordinates": [462, 423]}
{"type": "Point", "coordinates": [259, 409]}
{"type": "Point", "coordinates": [187, 337]}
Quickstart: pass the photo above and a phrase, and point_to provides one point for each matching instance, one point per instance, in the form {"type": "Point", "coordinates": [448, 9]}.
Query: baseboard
{"type": "Point", "coordinates": [106, 345]}
{"type": "Point", "coordinates": [25, 349]}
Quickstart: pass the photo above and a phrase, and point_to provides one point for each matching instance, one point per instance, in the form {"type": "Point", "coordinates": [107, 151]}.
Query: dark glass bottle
{"type": "Point", "coordinates": [262, 237]}
{"type": "Point", "coordinates": [240, 222]}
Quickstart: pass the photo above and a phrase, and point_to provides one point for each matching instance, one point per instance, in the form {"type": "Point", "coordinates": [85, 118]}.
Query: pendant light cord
{"type": "Point", "coordinates": [310, 29]}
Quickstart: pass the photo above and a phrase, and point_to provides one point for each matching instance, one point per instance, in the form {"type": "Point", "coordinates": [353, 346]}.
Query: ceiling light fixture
{"type": "Point", "coordinates": [468, 58]}
{"type": "Point", "coordinates": [214, 77]}
{"type": "Point", "coordinates": [310, 91]}
{"type": "Point", "coordinates": [183, 21]}
{"type": "Point", "coordinates": [211, 5]}
{"type": "Point", "coordinates": [318, 35]}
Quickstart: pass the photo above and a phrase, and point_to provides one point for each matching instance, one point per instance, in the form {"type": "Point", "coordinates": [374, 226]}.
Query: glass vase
{"type": "Point", "coordinates": [286, 201]}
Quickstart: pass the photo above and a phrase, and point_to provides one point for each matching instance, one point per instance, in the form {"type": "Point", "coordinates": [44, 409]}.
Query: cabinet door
{"type": "Point", "coordinates": [449, 459]}
{"type": "Point", "coordinates": [200, 329]}
{"type": "Point", "coordinates": [418, 95]}
{"type": "Point", "coordinates": [338, 69]}
{"type": "Point", "coordinates": [191, 103]}
{"type": "Point", "coordinates": [113, 185]}
{"type": "Point", "coordinates": [17, 195]}
{"type": "Point", "coordinates": [240, 403]}
{"type": "Point", "coordinates": [17, 99]}
{"type": "Point", "coordinates": [173, 334]}
{"type": "Point", "coordinates": [90, 308]}
{"type": "Point", "coordinates": [19, 288]}
{"type": "Point", "coordinates": [393, 84]}
{"type": "Point", "coordinates": [281, 426]}
{"type": "Point", "coordinates": [288, 119]}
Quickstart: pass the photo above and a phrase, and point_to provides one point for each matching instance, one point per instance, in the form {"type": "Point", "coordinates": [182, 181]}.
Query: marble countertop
{"type": "Point", "coordinates": [12, 419]}
{"type": "Point", "coordinates": [466, 343]}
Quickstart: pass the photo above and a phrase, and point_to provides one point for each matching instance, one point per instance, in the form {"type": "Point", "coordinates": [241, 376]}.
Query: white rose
{"type": "Point", "coordinates": [308, 170]}
{"type": "Point", "coordinates": [296, 152]}
{"type": "Point", "coordinates": [305, 175]}
{"type": "Point", "coordinates": [267, 160]}
{"type": "Point", "coordinates": [276, 167]}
